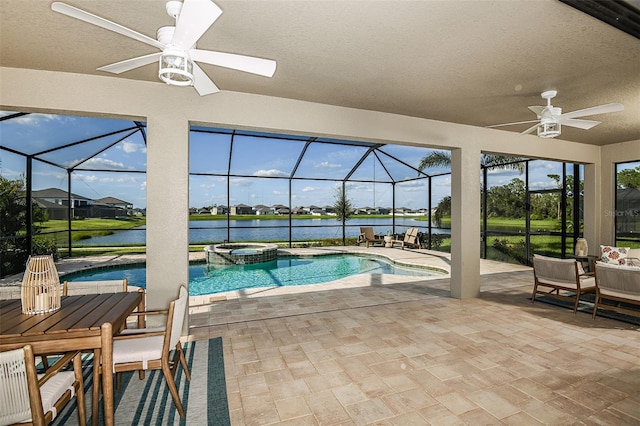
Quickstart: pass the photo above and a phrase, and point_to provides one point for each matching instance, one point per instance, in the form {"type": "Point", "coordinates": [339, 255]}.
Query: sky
{"type": "Point", "coordinates": [253, 158]}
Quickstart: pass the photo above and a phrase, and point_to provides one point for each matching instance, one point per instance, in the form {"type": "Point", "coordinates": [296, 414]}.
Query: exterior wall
{"type": "Point", "coordinates": [169, 110]}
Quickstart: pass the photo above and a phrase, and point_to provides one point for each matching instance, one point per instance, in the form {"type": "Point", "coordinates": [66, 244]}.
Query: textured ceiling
{"type": "Point", "coordinates": [471, 62]}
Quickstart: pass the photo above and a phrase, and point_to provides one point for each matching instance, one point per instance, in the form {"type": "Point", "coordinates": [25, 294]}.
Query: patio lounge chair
{"type": "Point", "coordinates": [368, 236]}
{"type": "Point", "coordinates": [411, 238]}
{"type": "Point", "coordinates": [620, 284]}
{"type": "Point", "coordinates": [560, 275]}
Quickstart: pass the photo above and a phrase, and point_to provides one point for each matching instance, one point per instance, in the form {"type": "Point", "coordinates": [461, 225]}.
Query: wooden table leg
{"type": "Point", "coordinates": [95, 395]}
{"type": "Point", "coordinates": [106, 340]}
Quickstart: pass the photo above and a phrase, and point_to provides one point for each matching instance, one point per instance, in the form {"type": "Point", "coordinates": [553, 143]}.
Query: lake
{"type": "Point", "coordinates": [208, 231]}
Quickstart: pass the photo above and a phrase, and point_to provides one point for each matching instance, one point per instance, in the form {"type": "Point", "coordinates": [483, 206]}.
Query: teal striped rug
{"type": "Point", "coordinates": [149, 402]}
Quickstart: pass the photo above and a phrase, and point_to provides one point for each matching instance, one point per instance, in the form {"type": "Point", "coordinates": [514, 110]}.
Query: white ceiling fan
{"type": "Point", "coordinates": [550, 118]}
{"type": "Point", "coordinates": [177, 45]}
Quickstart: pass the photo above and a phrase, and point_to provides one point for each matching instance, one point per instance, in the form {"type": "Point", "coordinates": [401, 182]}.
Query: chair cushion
{"type": "Point", "coordinates": [143, 330]}
{"type": "Point", "coordinates": [140, 349]}
{"type": "Point", "coordinates": [53, 389]}
{"type": "Point", "coordinates": [615, 255]}
{"type": "Point", "coordinates": [586, 282]}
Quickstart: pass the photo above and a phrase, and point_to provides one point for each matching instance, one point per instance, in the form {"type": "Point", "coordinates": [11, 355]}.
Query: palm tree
{"type": "Point", "coordinates": [489, 161]}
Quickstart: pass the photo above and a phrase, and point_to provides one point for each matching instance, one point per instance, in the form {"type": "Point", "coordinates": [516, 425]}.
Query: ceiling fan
{"type": "Point", "coordinates": [177, 45]}
{"type": "Point", "coordinates": [550, 118]}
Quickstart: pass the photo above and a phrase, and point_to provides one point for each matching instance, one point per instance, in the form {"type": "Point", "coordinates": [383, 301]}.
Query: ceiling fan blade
{"type": "Point", "coordinates": [74, 12]}
{"type": "Point", "coordinates": [196, 16]}
{"type": "Point", "coordinates": [602, 109]}
{"type": "Point", "coordinates": [580, 124]}
{"type": "Point", "coordinates": [530, 129]}
{"type": "Point", "coordinates": [513, 124]}
{"type": "Point", "coordinates": [264, 67]}
{"type": "Point", "coordinates": [129, 64]}
{"type": "Point", "coordinates": [202, 83]}
{"type": "Point", "coordinates": [537, 110]}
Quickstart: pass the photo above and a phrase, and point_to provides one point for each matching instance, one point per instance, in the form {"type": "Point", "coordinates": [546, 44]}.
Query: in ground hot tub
{"type": "Point", "coordinates": [240, 253]}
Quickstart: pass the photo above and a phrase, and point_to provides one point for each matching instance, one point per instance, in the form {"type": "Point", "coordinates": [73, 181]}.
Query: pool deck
{"type": "Point", "coordinates": [398, 350]}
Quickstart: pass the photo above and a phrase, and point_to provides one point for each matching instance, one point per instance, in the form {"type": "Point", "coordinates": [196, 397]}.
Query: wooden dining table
{"type": "Point", "coordinates": [86, 323]}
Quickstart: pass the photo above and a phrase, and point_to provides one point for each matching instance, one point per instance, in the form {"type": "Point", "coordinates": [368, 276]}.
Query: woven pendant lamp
{"type": "Point", "coordinates": [40, 286]}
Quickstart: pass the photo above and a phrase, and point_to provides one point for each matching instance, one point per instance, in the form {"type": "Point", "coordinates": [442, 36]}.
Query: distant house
{"type": "Point", "coordinates": [239, 209]}
{"type": "Point", "coordinates": [115, 202]}
{"type": "Point", "coordinates": [56, 201]}
{"type": "Point", "coordinates": [54, 211]}
{"type": "Point", "coordinates": [216, 210]}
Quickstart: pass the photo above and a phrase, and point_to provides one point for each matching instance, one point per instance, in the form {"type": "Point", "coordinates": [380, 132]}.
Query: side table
{"type": "Point", "coordinates": [590, 260]}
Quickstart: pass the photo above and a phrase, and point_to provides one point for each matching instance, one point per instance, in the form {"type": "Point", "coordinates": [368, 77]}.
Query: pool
{"type": "Point", "coordinates": [285, 271]}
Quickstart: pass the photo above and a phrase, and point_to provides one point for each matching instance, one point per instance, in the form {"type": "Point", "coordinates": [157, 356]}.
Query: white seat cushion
{"type": "Point", "coordinates": [53, 389]}
{"type": "Point", "coordinates": [586, 282]}
{"type": "Point", "coordinates": [141, 349]}
{"type": "Point", "coordinates": [143, 330]}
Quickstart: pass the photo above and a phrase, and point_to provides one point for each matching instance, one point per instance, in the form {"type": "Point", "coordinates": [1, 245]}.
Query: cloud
{"type": "Point", "coordinates": [208, 185]}
{"type": "Point", "coordinates": [34, 119]}
{"type": "Point", "coordinates": [84, 178]}
{"type": "Point", "coordinates": [129, 147]}
{"type": "Point", "coordinates": [327, 165]}
{"type": "Point", "coordinates": [309, 189]}
{"type": "Point", "coordinates": [104, 163]}
{"type": "Point", "coordinates": [240, 182]}
{"type": "Point", "coordinates": [270, 172]}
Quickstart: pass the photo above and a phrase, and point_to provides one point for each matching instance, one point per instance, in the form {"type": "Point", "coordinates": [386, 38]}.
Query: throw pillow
{"type": "Point", "coordinates": [614, 255]}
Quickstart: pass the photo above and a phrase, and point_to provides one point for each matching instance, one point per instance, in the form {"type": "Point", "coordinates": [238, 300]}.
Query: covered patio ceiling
{"type": "Point", "coordinates": [477, 63]}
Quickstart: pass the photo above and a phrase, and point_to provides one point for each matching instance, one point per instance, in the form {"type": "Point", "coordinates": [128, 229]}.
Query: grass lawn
{"type": "Point", "coordinates": [87, 228]}
{"type": "Point", "coordinates": [508, 224]}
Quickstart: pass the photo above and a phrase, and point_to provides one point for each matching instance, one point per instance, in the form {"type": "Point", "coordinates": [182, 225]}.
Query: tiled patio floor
{"type": "Point", "coordinates": [393, 350]}
{"type": "Point", "coordinates": [397, 350]}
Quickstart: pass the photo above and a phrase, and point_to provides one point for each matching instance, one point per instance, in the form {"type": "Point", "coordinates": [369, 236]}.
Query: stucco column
{"type": "Point", "coordinates": [592, 207]}
{"type": "Point", "coordinates": [465, 223]}
{"type": "Point", "coordinates": [167, 208]}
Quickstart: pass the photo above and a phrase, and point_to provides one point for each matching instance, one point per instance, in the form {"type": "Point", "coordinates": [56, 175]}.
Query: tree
{"type": "Point", "coordinates": [343, 208]}
{"type": "Point", "coordinates": [491, 161]}
{"type": "Point", "coordinates": [507, 200]}
{"type": "Point", "coordinates": [12, 207]}
{"type": "Point", "coordinates": [13, 227]}
{"type": "Point", "coordinates": [443, 209]}
{"type": "Point", "coordinates": [629, 178]}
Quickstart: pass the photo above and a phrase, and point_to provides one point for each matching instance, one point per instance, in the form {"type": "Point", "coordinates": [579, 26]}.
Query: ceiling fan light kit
{"type": "Point", "coordinates": [549, 128]}
{"type": "Point", "coordinates": [176, 68]}
{"type": "Point", "coordinates": [177, 44]}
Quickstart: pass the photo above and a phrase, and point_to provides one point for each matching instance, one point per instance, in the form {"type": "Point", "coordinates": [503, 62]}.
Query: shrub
{"type": "Point", "coordinates": [45, 246]}
{"type": "Point", "coordinates": [511, 250]}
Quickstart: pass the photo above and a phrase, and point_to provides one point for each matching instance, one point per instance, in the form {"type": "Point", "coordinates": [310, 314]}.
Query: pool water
{"type": "Point", "coordinates": [285, 271]}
